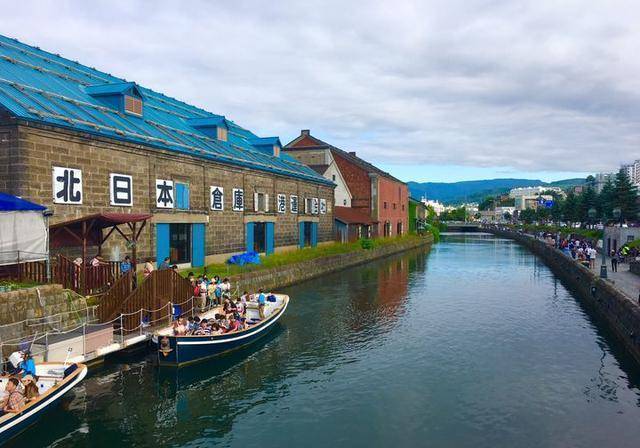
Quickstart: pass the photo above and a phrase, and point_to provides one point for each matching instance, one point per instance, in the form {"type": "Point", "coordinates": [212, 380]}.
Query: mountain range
{"type": "Point", "coordinates": [476, 190]}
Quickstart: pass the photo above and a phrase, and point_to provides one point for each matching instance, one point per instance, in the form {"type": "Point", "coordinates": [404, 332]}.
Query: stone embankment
{"type": "Point", "coordinates": [275, 278]}
{"type": "Point", "coordinates": [30, 311]}
{"type": "Point", "coordinates": [621, 312]}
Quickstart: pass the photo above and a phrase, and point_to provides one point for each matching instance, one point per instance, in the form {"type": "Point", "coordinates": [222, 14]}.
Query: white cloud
{"type": "Point", "coordinates": [540, 85]}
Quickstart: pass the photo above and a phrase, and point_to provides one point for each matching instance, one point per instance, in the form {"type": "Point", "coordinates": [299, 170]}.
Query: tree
{"type": "Point", "coordinates": [487, 203]}
{"type": "Point", "coordinates": [605, 200]}
{"type": "Point", "coordinates": [625, 196]}
{"type": "Point", "coordinates": [528, 215]}
{"type": "Point", "coordinates": [571, 208]}
{"type": "Point", "coordinates": [543, 213]}
{"type": "Point", "coordinates": [587, 200]}
{"type": "Point", "coordinates": [590, 181]}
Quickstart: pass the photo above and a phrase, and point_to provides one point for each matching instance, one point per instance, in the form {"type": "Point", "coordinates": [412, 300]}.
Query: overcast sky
{"type": "Point", "coordinates": [432, 90]}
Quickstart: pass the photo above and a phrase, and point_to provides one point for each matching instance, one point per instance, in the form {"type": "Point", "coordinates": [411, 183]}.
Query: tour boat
{"type": "Point", "coordinates": [180, 350]}
{"type": "Point", "coordinates": [54, 380]}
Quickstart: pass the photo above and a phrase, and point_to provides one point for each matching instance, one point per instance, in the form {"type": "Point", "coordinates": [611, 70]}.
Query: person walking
{"type": "Point", "coordinates": [614, 262]}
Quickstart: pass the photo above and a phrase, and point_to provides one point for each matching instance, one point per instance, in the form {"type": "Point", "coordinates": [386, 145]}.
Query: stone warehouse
{"type": "Point", "coordinates": [81, 141]}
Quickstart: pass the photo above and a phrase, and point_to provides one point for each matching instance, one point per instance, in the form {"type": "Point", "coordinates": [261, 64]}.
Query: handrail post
{"type": "Point", "coordinates": [192, 310]}
{"type": "Point", "coordinates": [140, 322]}
{"type": "Point", "coordinates": [121, 331]}
{"type": "Point", "coordinates": [84, 340]}
{"type": "Point", "coordinates": [46, 346]}
{"type": "Point", "coordinates": [169, 313]}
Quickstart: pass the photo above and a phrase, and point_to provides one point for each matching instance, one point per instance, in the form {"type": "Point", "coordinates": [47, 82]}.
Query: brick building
{"type": "Point", "coordinates": [379, 201]}
{"type": "Point", "coordinates": [81, 141]}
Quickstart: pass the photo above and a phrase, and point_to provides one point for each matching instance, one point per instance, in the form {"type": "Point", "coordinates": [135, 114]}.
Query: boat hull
{"type": "Point", "coordinates": [175, 351]}
{"type": "Point", "coordinates": [19, 422]}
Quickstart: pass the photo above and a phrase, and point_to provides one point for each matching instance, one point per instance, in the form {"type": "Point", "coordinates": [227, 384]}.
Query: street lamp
{"type": "Point", "coordinates": [617, 214]}
{"type": "Point", "coordinates": [592, 215]}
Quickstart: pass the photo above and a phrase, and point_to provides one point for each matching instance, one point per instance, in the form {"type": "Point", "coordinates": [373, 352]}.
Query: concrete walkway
{"type": "Point", "coordinates": [624, 280]}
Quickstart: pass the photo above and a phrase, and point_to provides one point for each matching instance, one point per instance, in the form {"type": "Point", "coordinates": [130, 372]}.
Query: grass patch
{"type": "Point", "coordinates": [9, 285]}
{"type": "Point", "coordinates": [296, 256]}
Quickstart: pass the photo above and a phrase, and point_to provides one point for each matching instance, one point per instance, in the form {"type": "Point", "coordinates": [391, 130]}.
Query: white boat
{"type": "Point", "coordinates": [53, 380]}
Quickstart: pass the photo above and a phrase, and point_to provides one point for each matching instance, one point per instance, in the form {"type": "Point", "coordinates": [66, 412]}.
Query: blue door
{"type": "Point", "coordinates": [301, 234]}
{"type": "Point", "coordinates": [270, 238]}
{"type": "Point", "coordinates": [314, 234]}
{"type": "Point", "coordinates": [197, 245]}
{"type": "Point", "coordinates": [162, 242]}
{"type": "Point", "coordinates": [249, 236]}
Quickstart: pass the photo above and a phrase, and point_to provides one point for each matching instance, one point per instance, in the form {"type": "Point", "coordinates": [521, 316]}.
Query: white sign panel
{"type": "Point", "coordinates": [282, 203]}
{"type": "Point", "coordinates": [165, 194]}
{"type": "Point", "coordinates": [121, 190]}
{"type": "Point", "coordinates": [323, 206]}
{"type": "Point", "coordinates": [314, 206]}
{"type": "Point", "coordinates": [216, 197]}
{"type": "Point", "coordinates": [238, 199]}
{"type": "Point", "coordinates": [67, 185]}
{"type": "Point", "coordinates": [294, 204]}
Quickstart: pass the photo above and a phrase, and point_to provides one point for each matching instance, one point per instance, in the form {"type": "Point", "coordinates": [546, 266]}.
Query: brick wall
{"type": "Point", "coordinates": [357, 180]}
{"type": "Point", "coordinates": [34, 151]}
{"type": "Point", "coordinates": [396, 197]}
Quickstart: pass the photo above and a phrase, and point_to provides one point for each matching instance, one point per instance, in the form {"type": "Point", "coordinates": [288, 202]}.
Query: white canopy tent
{"type": "Point", "coordinates": [23, 231]}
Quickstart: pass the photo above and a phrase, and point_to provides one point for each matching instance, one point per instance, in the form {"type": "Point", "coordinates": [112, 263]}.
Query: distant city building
{"type": "Point", "coordinates": [601, 179]}
{"type": "Point", "coordinates": [533, 191]}
{"type": "Point", "coordinates": [532, 201]}
{"type": "Point", "coordinates": [437, 206]}
{"type": "Point", "coordinates": [497, 215]}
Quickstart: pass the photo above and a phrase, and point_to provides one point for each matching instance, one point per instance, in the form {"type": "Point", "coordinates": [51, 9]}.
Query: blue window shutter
{"type": "Point", "coordinates": [179, 194]}
{"type": "Point", "coordinates": [197, 245]}
{"type": "Point", "coordinates": [249, 236]}
{"type": "Point", "coordinates": [314, 234]}
{"type": "Point", "coordinates": [301, 234]}
{"type": "Point", "coordinates": [270, 237]}
{"type": "Point", "coordinates": [162, 242]}
{"type": "Point", "coordinates": [185, 203]}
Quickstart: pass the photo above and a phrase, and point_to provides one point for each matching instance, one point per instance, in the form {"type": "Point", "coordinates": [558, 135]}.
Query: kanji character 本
{"type": "Point", "coordinates": [164, 190]}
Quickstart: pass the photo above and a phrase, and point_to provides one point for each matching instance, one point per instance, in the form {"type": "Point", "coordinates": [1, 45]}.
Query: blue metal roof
{"type": "Point", "coordinates": [47, 88]}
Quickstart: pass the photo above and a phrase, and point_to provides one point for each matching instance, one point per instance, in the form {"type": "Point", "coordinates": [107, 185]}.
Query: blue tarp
{"type": "Point", "coordinates": [245, 258]}
{"type": "Point", "coordinates": [10, 203]}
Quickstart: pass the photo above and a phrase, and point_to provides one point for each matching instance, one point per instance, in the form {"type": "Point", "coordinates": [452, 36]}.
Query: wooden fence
{"type": "Point", "coordinates": [158, 289]}
{"type": "Point", "coordinates": [87, 281]}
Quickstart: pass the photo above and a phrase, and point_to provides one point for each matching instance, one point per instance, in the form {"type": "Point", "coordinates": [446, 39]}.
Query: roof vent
{"type": "Point", "coordinates": [305, 132]}
{"type": "Point", "coordinates": [353, 153]}
{"type": "Point", "coordinates": [267, 145]}
{"type": "Point", "coordinates": [213, 126]}
{"type": "Point", "coordinates": [122, 96]}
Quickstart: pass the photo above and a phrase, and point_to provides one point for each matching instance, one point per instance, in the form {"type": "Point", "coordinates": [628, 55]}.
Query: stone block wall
{"type": "Point", "coordinates": [32, 151]}
{"type": "Point", "coordinates": [42, 307]}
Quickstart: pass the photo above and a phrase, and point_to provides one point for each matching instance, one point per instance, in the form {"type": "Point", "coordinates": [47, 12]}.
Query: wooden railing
{"type": "Point", "coordinates": [159, 288]}
{"type": "Point", "coordinates": [111, 301]}
{"type": "Point", "coordinates": [87, 281]}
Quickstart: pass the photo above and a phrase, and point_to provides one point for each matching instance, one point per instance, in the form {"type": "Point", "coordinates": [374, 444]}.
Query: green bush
{"type": "Point", "coordinates": [367, 243]}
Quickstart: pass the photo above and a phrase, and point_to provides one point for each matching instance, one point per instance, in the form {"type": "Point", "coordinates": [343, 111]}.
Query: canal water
{"type": "Point", "coordinates": [475, 344]}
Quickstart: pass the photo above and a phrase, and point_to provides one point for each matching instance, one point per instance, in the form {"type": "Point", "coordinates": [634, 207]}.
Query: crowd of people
{"type": "Point", "coordinates": [232, 316]}
{"type": "Point", "coordinates": [21, 387]}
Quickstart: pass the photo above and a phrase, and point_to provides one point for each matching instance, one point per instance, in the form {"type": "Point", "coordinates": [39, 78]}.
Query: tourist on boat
{"type": "Point", "coordinates": [27, 366]}
{"type": "Point", "coordinates": [241, 308]}
{"type": "Point", "coordinates": [174, 268]}
{"type": "Point", "coordinates": [204, 328]}
{"type": "Point", "coordinates": [14, 400]}
{"type": "Point", "coordinates": [244, 298]}
{"type": "Point", "coordinates": [179, 327]}
{"type": "Point", "coordinates": [30, 388]}
{"type": "Point", "coordinates": [261, 303]}
{"type": "Point", "coordinates": [233, 324]}
{"type": "Point", "coordinates": [148, 268]}
{"type": "Point", "coordinates": [125, 265]}
{"type": "Point", "coordinates": [229, 307]}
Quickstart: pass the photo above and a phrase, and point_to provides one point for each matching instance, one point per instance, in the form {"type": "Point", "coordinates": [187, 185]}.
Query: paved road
{"type": "Point", "coordinates": [625, 280]}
